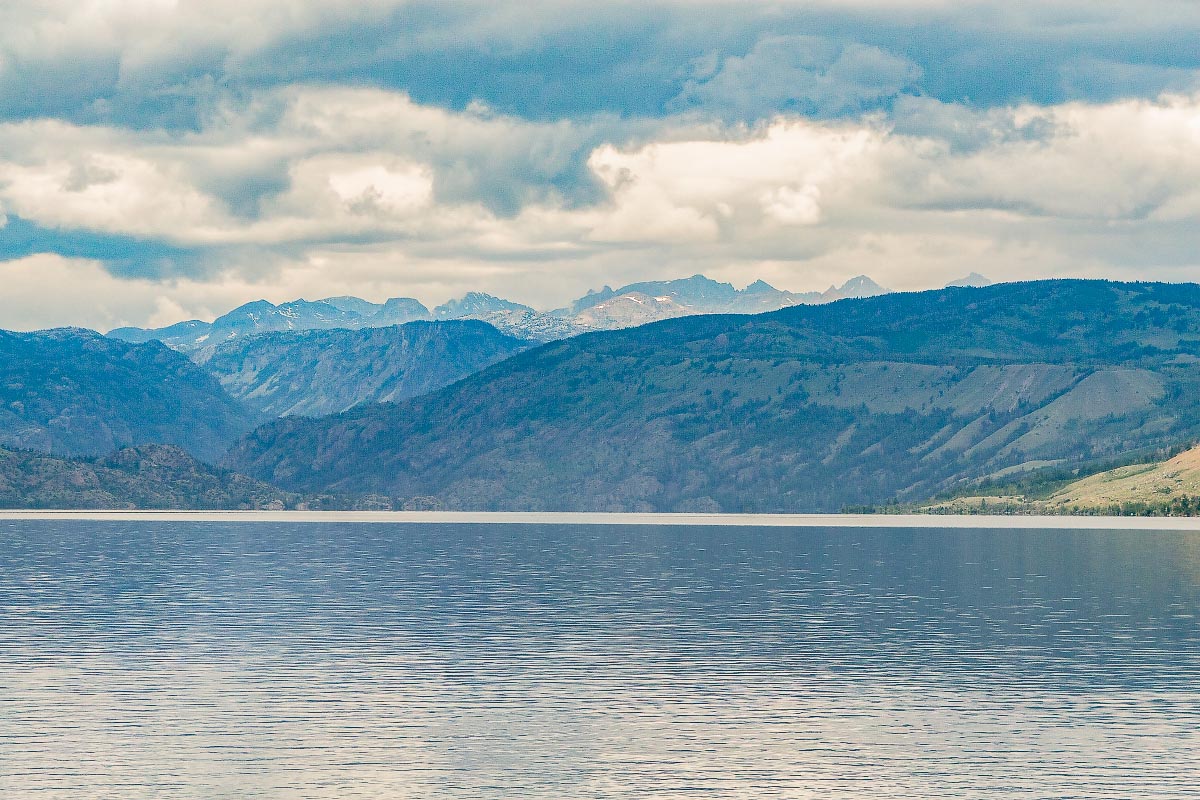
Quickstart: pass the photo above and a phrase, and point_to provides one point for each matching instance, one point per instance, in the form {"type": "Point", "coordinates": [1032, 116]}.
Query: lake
{"type": "Point", "coordinates": [178, 659]}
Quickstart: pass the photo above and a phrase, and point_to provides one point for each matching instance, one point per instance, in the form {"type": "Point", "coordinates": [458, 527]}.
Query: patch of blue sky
{"type": "Point", "coordinates": [123, 256]}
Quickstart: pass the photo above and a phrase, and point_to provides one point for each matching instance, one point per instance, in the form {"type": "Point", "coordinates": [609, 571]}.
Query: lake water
{"type": "Point", "coordinates": [274, 660]}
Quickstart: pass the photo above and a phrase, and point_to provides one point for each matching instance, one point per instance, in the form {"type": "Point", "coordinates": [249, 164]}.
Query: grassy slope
{"type": "Point", "coordinates": [1163, 487]}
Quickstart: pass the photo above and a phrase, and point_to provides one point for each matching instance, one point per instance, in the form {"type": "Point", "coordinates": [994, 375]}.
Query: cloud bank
{"type": "Point", "coordinates": [164, 160]}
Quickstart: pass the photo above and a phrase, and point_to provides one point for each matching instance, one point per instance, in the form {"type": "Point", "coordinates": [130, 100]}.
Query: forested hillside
{"type": "Point", "coordinates": [811, 408]}
{"type": "Point", "coordinates": [323, 372]}
{"type": "Point", "coordinates": [74, 392]}
{"type": "Point", "coordinates": [146, 477]}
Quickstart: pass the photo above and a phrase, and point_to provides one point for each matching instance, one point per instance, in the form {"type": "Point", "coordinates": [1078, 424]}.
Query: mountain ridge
{"type": "Point", "coordinates": [634, 304]}
{"type": "Point", "coordinates": [328, 371]}
{"type": "Point", "coordinates": [144, 477]}
{"type": "Point", "coordinates": [809, 408]}
{"type": "Point", "coordinates": [73, 392]}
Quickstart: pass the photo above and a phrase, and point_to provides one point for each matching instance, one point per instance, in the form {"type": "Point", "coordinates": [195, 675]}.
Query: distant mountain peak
{"type": "Point", "coordinates": [253, 305]}
{"type": "Point", "coordinates": [858, 287]}
{"type": "Point", "coordinates": [860, 282]}
{"type": "Point", "coordinates": [354, 305]}
{"type": "Point", "coordinates": [398, 311]}
{"type": "Point", "coordinates": [473, 303]}
{"type": "Point", "coordinates": [974, 279]}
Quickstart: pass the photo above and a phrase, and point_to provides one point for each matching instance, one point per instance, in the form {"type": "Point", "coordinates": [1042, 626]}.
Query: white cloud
{"type": "Point", "coordinates": [44, 291]}
{"type": "Point", "coordinates": [365, 191]}
{"type": "Point", "coordinates": [391, 155]}
{"type": "Point", "coordinates": [102, 191]}
{"type": "Point", "coordinates": [793, 206]}
{"type": "Point", "coordinates": [380, 190]}
{"type": "Point", "coordinates": [702, 190]}
{"type": "Point", "coordinates": [1111, 162]}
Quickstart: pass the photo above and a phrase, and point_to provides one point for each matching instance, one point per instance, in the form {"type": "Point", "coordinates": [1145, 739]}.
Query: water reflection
{"type": "Point", "coordinates": [334, 661]}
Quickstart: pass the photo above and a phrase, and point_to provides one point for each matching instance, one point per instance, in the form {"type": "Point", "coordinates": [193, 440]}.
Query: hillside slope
{"type": "Point", "coordinates": [1165, 481]}
{"type": "Point", "coordinates": [325, 372]}
{"type": "Point", "coordinates": [74, 392]}
{"type": "Point", "coordinates": [811, 408]}
{"type": "Point", "coordinates": [1168, 487]}
{"type": "Point", "coordinates": [146, 477]}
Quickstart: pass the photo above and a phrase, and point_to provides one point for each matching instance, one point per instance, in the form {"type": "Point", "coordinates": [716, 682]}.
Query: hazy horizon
{"type": "Point", "coordinates": [281, 298]}
{"type": "Point", "coordinates": [432, 304]}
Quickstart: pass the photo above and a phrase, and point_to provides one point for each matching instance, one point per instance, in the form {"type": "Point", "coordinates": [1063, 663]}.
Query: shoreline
{"type": "Point", "coordinates": [928, 521]}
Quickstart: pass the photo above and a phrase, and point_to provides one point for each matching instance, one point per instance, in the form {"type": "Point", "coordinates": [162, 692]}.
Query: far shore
{"type": "Point", "coordinates": [999, 522]}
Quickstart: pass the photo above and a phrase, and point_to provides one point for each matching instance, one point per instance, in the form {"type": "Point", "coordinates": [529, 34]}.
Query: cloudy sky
{"type": "Point", "coordinates": [166, 159]}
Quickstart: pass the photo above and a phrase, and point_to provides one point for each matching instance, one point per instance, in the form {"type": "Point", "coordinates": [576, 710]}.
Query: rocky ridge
{"type": "Point", "coordinates": [607, 309]}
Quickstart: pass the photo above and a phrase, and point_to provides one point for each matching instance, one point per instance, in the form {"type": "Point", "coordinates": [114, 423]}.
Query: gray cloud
{"type": "Point", "coordinates": [237, 148]}
{"type": "Point", "coordinates": [799, 74]}
{"type": "Point", "coordinates": [371, 182]}
{"type": "Point", "coordinates": [143, 65]}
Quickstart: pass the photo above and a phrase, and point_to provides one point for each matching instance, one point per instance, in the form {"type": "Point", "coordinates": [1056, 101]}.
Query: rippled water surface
{"type": "Point", "coordinates": [257, 660]}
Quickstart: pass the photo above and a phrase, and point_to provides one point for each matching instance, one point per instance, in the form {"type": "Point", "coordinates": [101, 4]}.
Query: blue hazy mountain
{"type": "Point", "coordinates": [396, 311]}
{"type": "Point", "coordinates": [200, 339]}
{"type": "Point", "coordinates": [353, 305]}
{"type": "Point", "coordinates": [475, 303]}
{"type": "Point", "coordinates": [973, 279]}
{"type": "Point", "coordinates": [810, 408]}
{"type": "Point", "coordinates": [298, 315]}
{"type": "Point", "coordinates": [514, 319]}
{"type": "Point", "coordinates": [180, 336]}
{"type": "Point", "coordinates": [74, 392]}
{"type": "Point", "coordinates": [328, 371]}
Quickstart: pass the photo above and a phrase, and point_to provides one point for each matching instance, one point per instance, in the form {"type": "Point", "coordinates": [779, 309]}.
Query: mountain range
{"type": "Point", "coordinates": [810, 408]}
{"type": "Point", "coordinates": [886, 401]}
{"type": "Point", "coordinates": [607, 309]}
{"type": "Point", "coordinates": [201, 339]}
